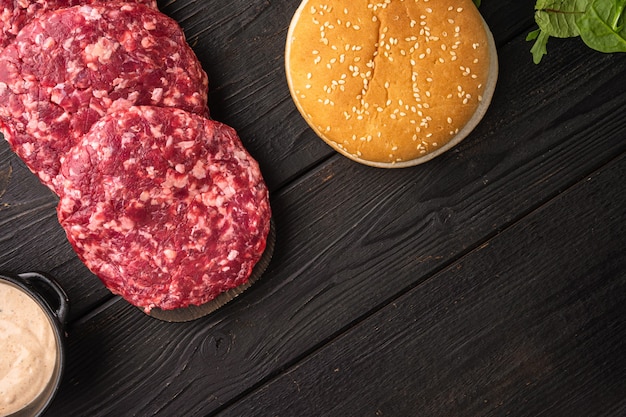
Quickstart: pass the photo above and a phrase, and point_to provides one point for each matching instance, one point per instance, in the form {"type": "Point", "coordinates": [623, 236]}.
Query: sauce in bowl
{"type": "Point", "coordinates": [29, 349]}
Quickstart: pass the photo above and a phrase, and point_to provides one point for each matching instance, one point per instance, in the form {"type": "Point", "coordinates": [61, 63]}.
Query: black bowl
{"type": "Point", "coordinates": [47, 293]}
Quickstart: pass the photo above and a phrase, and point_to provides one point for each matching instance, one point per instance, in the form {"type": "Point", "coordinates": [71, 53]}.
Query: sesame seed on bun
{"type": "Point", "coordinates": [393, 83]}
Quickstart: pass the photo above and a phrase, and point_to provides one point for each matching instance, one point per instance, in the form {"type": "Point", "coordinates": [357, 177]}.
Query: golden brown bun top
{"type": "Point", "coordinates": [392, 81]}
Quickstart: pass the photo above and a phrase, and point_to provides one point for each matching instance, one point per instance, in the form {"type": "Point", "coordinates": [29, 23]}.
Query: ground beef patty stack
{"type": "Point", "coordinates": [394, 83]}
{"type": "Point", "coordinates": [70, 67]}
{"type": "Point", "coordinates": [168, 209]}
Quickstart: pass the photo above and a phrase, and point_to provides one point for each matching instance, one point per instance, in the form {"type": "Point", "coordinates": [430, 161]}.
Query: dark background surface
{"type": "Point", "coordinates": [490, 281]}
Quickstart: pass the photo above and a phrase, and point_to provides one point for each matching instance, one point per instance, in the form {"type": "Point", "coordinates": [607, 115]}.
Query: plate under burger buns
{"type": "Point", "coordinates": [394, 83]}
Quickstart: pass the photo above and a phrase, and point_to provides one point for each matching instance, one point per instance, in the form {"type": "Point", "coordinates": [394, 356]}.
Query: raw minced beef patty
{"type": "Point", "coordinates": [166, 207]}
{"type": "Point", "coordinates": [15, 14]}
{"type": "Point", "coordinates": [70, 67]}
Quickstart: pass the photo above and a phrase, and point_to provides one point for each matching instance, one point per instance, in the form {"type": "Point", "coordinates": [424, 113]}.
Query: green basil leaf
{"type": "Point", "coordinates": [555, 18]}
{"type": "Point", "coordinates": [477, 3]}
{"type": "Point", "coordinates": [602, 26]}
{"type": "Point", "coordinates": [558, 17]}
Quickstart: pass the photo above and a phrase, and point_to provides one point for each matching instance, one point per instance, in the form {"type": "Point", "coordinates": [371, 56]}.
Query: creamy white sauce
{"type": "Point", "coordinates": [28, 349]}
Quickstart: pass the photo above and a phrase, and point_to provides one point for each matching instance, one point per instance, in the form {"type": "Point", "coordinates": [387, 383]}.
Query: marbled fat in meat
{"type": "Point", "coordinates": [15, 14]}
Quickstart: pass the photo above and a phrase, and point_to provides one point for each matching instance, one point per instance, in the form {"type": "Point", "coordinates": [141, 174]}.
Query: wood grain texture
{"type": "Point", "coordinates": [506, 330]}
{"type": "Point", "coordinates": [351, 239]}
{"type": "Point", "coordinates": [367, 257]}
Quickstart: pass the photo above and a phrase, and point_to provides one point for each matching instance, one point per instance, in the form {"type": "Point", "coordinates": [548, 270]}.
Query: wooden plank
{"type": "Point", "coordinates": [351, 237]}
{"type": "Point", "coordinates": [523, 326]}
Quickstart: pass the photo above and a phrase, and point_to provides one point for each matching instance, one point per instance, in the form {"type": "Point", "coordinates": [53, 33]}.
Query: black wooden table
{"type": "Point", "coordinates": [490, 281]}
